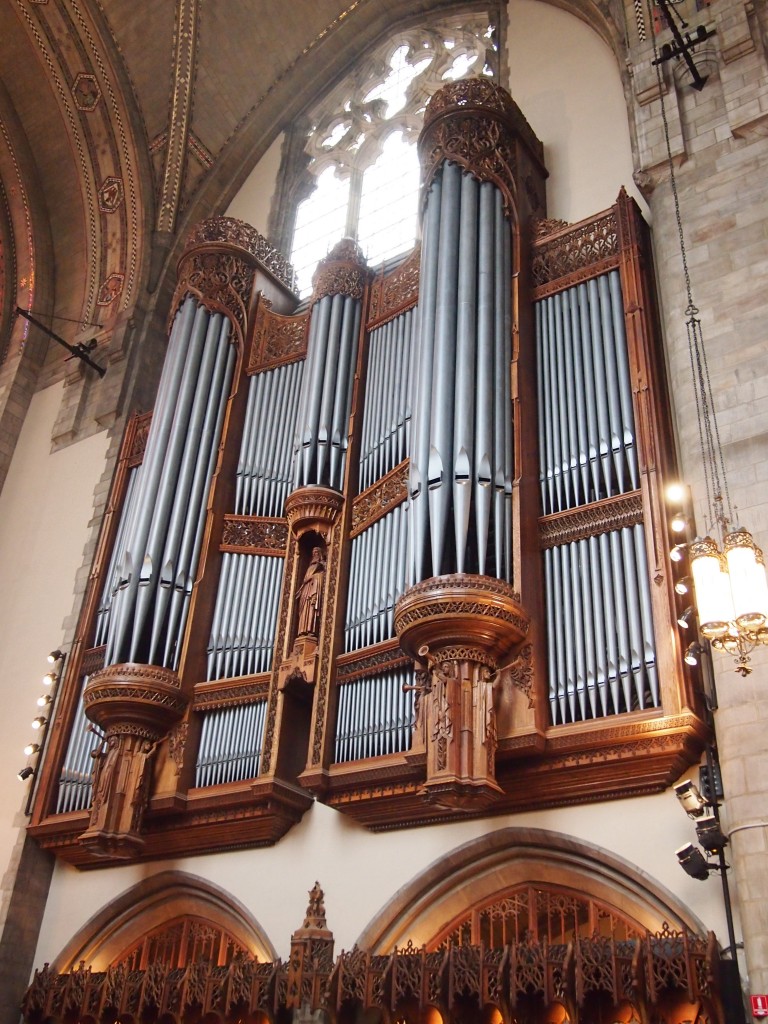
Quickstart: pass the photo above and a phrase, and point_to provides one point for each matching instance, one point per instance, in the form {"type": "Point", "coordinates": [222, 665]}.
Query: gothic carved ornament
{"type": "Point", "coordinates": [475, 123]}
{"type": "Point", "coordinates": [591, 520]}
{"type": "Point", "coordinates": [388, 492]}
{"type": "Point", "coordinates": [236, 234]}
{"type": "Point", "coordinates": [276, 339]}
{"type": "Point", "coordinates": [254, 535]}
{"type": "Point", "coordinates": [344, 271]}
{"type": "Point", "coordinates": [574, 253]}
{"type": "Point", "coordinates": [396, 291]}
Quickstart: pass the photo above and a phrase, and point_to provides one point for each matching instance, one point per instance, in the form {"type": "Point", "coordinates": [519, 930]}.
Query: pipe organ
{"type": "Point", "coordinates": [402, 551]}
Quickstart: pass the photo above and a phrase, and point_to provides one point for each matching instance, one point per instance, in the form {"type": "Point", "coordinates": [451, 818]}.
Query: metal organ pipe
{"type": "Point", "coordinates": [171, 486]}
{"type": "Point", "coordinates": [375, 716]}
{"type": "Point", "coordinates": [461, 453]}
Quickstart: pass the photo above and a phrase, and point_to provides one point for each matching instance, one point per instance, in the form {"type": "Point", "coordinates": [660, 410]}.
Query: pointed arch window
{"type": "Point", "coordinates": [356, 165]}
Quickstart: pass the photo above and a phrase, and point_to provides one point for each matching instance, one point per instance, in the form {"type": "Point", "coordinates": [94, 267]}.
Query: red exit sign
{"type": "Point", "coordinates": [759, 1006]}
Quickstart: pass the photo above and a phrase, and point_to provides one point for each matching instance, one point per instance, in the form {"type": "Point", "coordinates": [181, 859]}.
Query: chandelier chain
{"type": "Point", "coordinates": [716, 483]}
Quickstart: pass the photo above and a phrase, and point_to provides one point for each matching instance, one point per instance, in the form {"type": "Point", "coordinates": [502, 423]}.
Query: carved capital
{"type": "Point", "coordinates": [313, 508]}
{"type": "Point", "coordinates": [141, 700]}
{"type": "Point", "coordinates": [478, 612]}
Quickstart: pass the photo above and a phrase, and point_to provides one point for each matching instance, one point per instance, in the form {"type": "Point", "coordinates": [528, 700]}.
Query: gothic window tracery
{"type": "Point", "coordinates": [363, 171]}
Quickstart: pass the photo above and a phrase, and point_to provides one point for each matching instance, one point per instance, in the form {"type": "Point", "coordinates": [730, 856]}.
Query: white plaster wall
{"type": "Point", "coordinates": [45, 509]}
{"type": "Point", "coordinates": [360, 871]}
{"type": "Point", "coordinates": [252, 203]}
{"type": "Point", "coordinates": [566, 82]}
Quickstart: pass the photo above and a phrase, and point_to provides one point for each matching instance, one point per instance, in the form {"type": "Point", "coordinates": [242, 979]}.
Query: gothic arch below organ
{"type": "Point", "coordinates": [119, 927]}
{"type": "Point", "coordinates": [485, 869]}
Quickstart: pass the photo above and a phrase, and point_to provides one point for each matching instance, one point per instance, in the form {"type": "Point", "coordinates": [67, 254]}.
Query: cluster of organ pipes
{"type": "Point", "coordinates": [164, 528]}
{"type": "Point", "coordinates": [244, 617]}
{"type": "Point", "coordinates": [461, 441]}
{"type": "Point", "coordinates": [326, 392]}
{"type": "Point", "coordinates": [265, 466]}
{"type": "Point", "coordinates": [230, 744]}
{"type": "Point", "coordinates": [375, 716]}
{"type": "Point", "coordinates": [112, 576]}
{"type": "Point", "coordinates": [75, 781]}
{"type": "Point", "coordinates": [372, 596]}
{"type": "Point", "coordinates": [586, 423]}
{"type": "Point", "coordinates": [601, 651]}
{"type": "Point", "coordinates": [387, 413]}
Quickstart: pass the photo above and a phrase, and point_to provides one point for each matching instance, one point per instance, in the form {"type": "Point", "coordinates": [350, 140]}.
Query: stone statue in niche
{"type": "Point", "coordinates": [310, 594]}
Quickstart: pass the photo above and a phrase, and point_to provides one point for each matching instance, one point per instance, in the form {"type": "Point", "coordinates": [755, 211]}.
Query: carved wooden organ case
{"type": "Point", "coordinates": [403, 552]}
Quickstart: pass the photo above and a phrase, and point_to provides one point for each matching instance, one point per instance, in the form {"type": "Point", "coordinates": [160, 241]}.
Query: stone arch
{"type": "Point", "coordinates": [477, 871]}
{"type": "Point", "coordinates": [148, 904]}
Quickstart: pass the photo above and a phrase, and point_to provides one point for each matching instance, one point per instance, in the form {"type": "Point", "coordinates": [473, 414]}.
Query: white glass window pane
{"type": "Point", "coordinates": [389, 201]}
{"type": "Point", "coordinates": [320, 222]}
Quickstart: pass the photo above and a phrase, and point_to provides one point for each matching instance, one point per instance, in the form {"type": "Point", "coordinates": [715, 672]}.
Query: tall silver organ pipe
{"type": "Point", "coordinates": [601, 650]}
{"type": "Point", "coordinates": [461, 449]}
{"type": "Point", "coordinates": [375, 715]}
{"type": "Point", "coordinates": [116, 559]}
{"type": "Point", "coordinates": [264, 469]}
{"type": "Point", "coordinates": [230, 744]}
{"type": "Point", "coordinates": [376, 580]}
{"type": "Point", "coordinates": [326, 392]}
{"type": "Point", "coordinates": [586, 424]}
{"type": "Point", "coordinates": [245, 615]}
{"type": "Point", "coordinates": [386, 415]}
{"type": "Point", "coordinates": [77, 770]}
{"type": "Point", "coordinates": [164, 531]}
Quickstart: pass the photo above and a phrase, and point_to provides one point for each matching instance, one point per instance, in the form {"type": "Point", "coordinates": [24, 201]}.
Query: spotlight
{"type": "Point", "coordinates": [25, 773]}
{"type": "Point", "coordinates": [39, 722]}
{"type": "Point", "coordinates": [684, 620]}
{"type": "Point", "coordinates": [44, 700]}
{"type": "Point", "coordinates": [55, 656]}
{"type": "Point", "coordinates": [710, 835]}
{"type": "Point", "coordinates": [692, 654]}
{"type": "Point", "coordinates": [675, 494]}
{"type": "Point", "coordinates": [691, 799]}
{"type": "Point", "coordinates": [678, 522]}
{"type": "Point", "coordinates": [50, 678]}
{"type": "Point", "coordinates": [683, 586]}
{"type": "Point", "coordinates": [32, 748]}
{"type": "Point", "coordinates": [677, 554]}
{"type": "Point", "coordinates": [692, 862]}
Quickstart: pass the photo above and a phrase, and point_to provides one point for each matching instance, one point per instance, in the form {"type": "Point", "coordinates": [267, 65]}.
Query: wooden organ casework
{"type": "Point", "coordinates": [403, 551]}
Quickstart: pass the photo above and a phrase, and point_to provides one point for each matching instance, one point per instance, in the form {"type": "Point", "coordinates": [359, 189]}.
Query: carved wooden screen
{"type": "Point", "coordinates": [181, 942]}
{"type": "Point", "coordinates": [535, 914]}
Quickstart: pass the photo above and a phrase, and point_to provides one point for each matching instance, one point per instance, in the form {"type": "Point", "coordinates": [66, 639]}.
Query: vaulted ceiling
{"type": "Point", "coordinates": [123, 123]}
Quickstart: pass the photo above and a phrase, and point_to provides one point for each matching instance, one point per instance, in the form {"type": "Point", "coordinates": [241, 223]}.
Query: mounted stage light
{"type": "Point", "coordinates": [39, 722]}
{"type": "Point", "coordinates": [26, 772]}
{"type": "Point", "coordinates": [684, 585]}
{"type": "Point", "coordinates": [677, 554]}
{"type": "Point", "coordinates": [684, 619]}
{"type": "Point", "coordinates": [693, 862]}
{"type": "Point", "coordinates": [692, 653]}
{"type": "Point", "coordinates": [50, 678]}
{"type": "Point", "coordinates": [32, 748]}
{"type": "Point", "coordinates": [678, 523]}
{"type": "Point", "coordinates": [710, 835]}
{"type": "Point", "coordinates": [55, 656]}
{"type": "Point", "coordinates": [44, 700]}
{"type": "Point", "coordinates": [692, 801]}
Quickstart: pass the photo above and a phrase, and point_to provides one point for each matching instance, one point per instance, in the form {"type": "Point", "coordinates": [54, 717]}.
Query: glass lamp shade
{"type": "Point", "coordinates": [712, 586]}
{"type": "Point", "coordinates": [747, 579]}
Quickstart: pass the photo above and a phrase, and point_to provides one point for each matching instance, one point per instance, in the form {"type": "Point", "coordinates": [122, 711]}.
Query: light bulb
{"type": "Point", "coordinates": [32, 748]}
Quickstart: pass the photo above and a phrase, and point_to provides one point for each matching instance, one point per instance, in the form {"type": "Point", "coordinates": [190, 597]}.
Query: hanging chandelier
{"type": "Point", "coordinates": [730, 587]}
